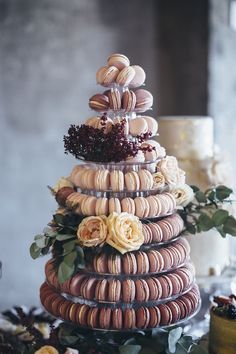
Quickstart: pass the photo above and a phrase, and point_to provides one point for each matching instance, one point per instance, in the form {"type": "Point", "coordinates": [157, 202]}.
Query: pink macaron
{"type": "Point", "coordinates": [144, 100]}
{"type": "Point", "coordinates": [138, 126]}
{"type": "Point", "coordinates": [139, 76]}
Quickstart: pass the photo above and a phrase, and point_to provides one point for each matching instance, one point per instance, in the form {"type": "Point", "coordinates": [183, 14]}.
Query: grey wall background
{"type": "Point", "coordinates": [49, 54]}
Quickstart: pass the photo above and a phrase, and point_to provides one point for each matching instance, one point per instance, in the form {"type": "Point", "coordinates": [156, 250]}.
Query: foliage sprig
{"type": "Point", "coordinates": [208, 210]}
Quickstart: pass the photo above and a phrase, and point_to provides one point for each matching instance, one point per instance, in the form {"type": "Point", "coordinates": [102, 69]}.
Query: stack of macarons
{"type": "Point", "coordinates": [107, 317]}
{"type": "Point", "coordinates": [88, 178]}
{"type": "Point", "coordinates": [153, 206]}
{"type": "Point", "coordinates": [118, 71]}
{"type": "Point", "coordinates": [128, 101]}
{"type": "Point", "coordinates": [137, 126]}
{"type": "Point", "coordinates": [163, 230]}
{"type": "Point", "coordinates": [125, 289]}
{"type": "Point", "coordinates": [151, 261]}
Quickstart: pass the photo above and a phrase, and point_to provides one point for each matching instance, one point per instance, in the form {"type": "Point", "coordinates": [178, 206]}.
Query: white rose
{"type": "Point", "coordinates": [183, 194]}
{"type": "Point", "coordinates": [125, 232]}
{"type": "Point", "coordinates": [171, 171]}
{"type": "Point", "coordinates": [158, 180]}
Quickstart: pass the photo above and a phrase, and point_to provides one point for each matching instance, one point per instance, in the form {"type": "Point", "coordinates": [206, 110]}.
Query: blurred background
{"type": "Point", "coordinates": [49, 54]}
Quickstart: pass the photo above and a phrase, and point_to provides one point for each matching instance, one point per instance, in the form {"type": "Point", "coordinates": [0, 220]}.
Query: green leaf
{"type": "Point", "coordinates": [80, 257]}
{"type": "Point", "coordinates": [70, 258]}
{"type": "Point", "coordinates": [223, 192]}
{"type": "Point", "coordinates": [191, 228]}
{"type": "Point", "coordinates": [196, 349]}
{"type": "Point", "coordinates": [34, 251]}
{"type": "Point", "coordinates": [68, 247]}
{"type": "Point", "coordinates": [230, 226]}
{"type": "Point", "coordinates": [200, 196]}
{"type": "Point", "coordinates": [41, 241]}
{"type": "Point", "coordinates": [48, 231]}
{"type": "Point", "coordinates": [63, 237]}
{"type": "Point", "coordinates": [204, 222]}
{"type": "Point", "coordinates": [186, 342]}
{"type": "Point", "coordinates": [195, 189]}
{"type": "Point", "coordinates": [130, 349]}
{"type": "Point", "coordinates": [211, 196]}
{"type": "Point", "coordinates": [219, 217]}
{"type": "Point", "coordinates": [221, 231]}
{"type": "Point", "coordinates": [65, 271]}
{"type": "Point", "coordinates": [174, 336]}
{"type": "Point", "coordinates": [59, 219]}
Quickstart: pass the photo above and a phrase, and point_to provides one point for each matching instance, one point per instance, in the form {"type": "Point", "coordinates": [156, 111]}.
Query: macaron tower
{"type": "Point", "coordinates": [119, 259]}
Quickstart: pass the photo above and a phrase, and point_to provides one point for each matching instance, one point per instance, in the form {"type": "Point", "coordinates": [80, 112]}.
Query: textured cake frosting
{"type": "Point", "coordinates": [191, 139]}
{"type": "Point", "coordinates": [187, 137]}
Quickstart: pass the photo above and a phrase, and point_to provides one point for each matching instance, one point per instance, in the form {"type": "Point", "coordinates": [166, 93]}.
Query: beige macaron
{"type": "Point", "coordinates": [117, 180]}
{"type": "Point", "coordinates": [141, 207]}
{"type": "Point", "coordinates": [132, 181]}
{"type": "Point", "coordinates": [128, 205]}
{"type": "Point", "coordinates": [102, 180]}
{"type": "Point", "coordinates": [146, 179]}
{"type": "Point", "coordinates": [88, 205]}
{"type": "Point", "coordinates": [102, 206]}
{"type": "Point", "coordinates": [114, 205]}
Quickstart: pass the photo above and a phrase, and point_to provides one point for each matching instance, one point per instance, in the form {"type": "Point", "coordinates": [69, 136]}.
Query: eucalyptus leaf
{"type": "Point", "coordinates": [204, 222]}
{"type": "Point", "coordinates": [41, 242]}
{"type": "Point", "coordinates": [147, 350]}
{"type": "Point", "coordinates": [211, 196]}
{"type": "Point", "coordinates": [191, 228]}
{"type": "Point", "coordinates": [230, 226]}
{"type": "Point", "coordinates": [219, 217]}
{"type": "Point", "coordinates": [130, 349]}
{"type": "Point", "coordinates": [194, 188]}
{"type": "Point", "coordinates": [200, 196]}
{"type": "Point", "coordinates": [223, 192]}
{"type": "Point", "coordinates": [59, 219]}
{"type": "Point", "coordinates": [196, 349]}
{"type": "Point", "coordinates": [68, 247]}
{"type": "Point", "coordinates": [63, 237]}
{"type": "Point", "coordinates": [80, 257]}
{"type": "Point", "coordinates": [186, 342]}
{"type": "Point", "coordinates": [70, 258]}
{"type": "Point", "coordinates": [65, 271]}
{"type": "Point", "coordinates": [174, 336]}
{"type": "Point", "coordinates": [48, 231]}
{"type": "Point", "coordinates": [34, 251]}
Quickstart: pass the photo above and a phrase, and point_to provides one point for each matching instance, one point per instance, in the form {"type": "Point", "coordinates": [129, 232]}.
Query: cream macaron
{"type": "Point", "coordinates": [117, 180]}
{"type": "Point", "coordinates": [120, 61]}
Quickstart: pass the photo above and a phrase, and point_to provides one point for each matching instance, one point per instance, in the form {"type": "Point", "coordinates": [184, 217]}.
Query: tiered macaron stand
{"type": "Point", "coordinates": [150, 287]}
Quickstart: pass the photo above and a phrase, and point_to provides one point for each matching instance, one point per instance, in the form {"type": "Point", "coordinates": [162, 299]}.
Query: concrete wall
{"type": "Point", "coordinates": [49, 54]}
{"type": "Point", "coordinates": [222, 77]}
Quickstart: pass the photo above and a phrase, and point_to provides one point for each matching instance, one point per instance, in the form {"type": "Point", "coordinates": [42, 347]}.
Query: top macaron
{"type": "Point", "coordinates": [119, 72]}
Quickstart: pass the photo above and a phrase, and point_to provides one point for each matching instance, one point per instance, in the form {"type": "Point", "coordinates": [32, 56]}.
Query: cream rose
{"type": "Point", "coordinates": [171, 171]}
{"type": "Point", "coordinates": [124, 232]}
{"type": "Point", "coordinates": [92, 231]}
{"type": "Point", "coordinates": [183, 194]}
{"type": "Point", "coordinates": [47, 349]}
{"type": "Point", "coordinates": [62, 182]}
{"type": "Point", "coordinates": [158, 180]}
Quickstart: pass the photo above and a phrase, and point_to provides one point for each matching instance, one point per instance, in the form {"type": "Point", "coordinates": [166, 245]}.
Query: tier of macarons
{"type": "Point", "coordinates": [128, 101]}
{"type": "Point", "coordinates": [135, 271]}
{"type": "Point", "coordinates": [117, 317]}
{"type": "Point", "coordinates": [89, 178]}
{"type": "Point", "coordinates": [122, 289]}
{"type": "Point", "coordinates": [153, 206]}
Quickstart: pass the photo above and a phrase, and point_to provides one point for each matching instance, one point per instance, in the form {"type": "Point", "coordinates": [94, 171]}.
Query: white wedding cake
{"type": "Point", "coordinates": [191, 140]}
